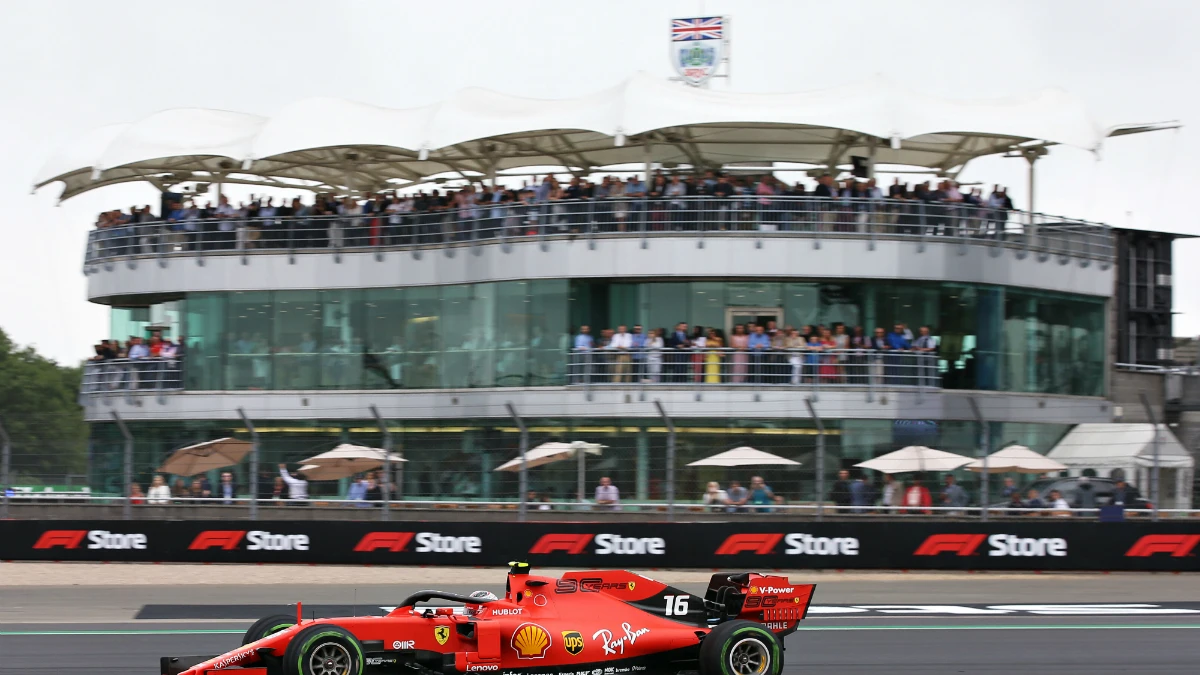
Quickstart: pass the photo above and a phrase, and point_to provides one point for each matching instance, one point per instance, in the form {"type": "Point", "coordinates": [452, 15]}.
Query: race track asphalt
{"type": "Point", "coordinates": [95, 631]}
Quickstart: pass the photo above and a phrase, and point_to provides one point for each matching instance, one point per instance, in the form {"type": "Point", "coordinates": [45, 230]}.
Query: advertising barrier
{"type": "Point", "coordinates": [1048, 545]}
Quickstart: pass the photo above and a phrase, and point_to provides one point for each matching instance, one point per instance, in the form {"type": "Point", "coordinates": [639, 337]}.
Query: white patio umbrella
{"type": "Point", "coordinates": [1018, 459]}
{"type": "Point", "coordinates": [548, 453]}
{"type": "Point", "coordinates": [915, 458]}
{"type": "Point", "coordinates": [744, 456]}
{"type": "Point", "coordinates": [345, 460]}
{"type": "Point", "coordinates": [206, 456]}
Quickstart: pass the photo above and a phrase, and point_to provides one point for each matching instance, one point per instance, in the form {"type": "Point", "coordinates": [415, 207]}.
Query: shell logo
{"type": "Point", "coordinates": [753, 590]}
{"type": "Point", "coordinates": [530, 641]}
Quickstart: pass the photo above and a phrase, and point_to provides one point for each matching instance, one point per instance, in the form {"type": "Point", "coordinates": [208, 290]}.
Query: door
{"type": "Point", "coordinates": [755, 315]}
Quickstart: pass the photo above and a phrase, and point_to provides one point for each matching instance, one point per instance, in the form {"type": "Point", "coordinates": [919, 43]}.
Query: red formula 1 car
{"type": "Point", "coordinates": [585, 623]}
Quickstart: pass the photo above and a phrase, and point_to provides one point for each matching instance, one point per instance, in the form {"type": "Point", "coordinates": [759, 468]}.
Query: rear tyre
{"type": "Point", "coordinates": [323, 649]}
{"type": "Point", "coordinates": [268, 625]}
{"type": "Point", "coordinates": [741, 648]}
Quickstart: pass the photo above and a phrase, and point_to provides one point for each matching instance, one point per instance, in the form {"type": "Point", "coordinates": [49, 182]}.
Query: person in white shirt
{"type": "Point", "coordinates": [715, 497]}
{"type": "Point", "coordinates": [622, 345]}
{"type": "Point", "coordinates": [297, 487]}
{"type": "Point", "coordinates": [1059, 506]}
{"type": "Point", "coordinates": [654, 356]}
{"type": "Point", "coordinates": [160, 492]}
{"type": "Point", "coordinates": [608, 497]}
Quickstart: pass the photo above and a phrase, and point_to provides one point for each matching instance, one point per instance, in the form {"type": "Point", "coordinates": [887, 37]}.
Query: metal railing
{"type": "Point", "coordinates": [318, 508]}
{"type": "Point", "coordinates": [762, 216]}
{"type": "Point", "coordinates": [804, 368]}
{"type": "Point", "coordinates": [710, 368]}
{"type": "Point", "coordinates": [128, 375]}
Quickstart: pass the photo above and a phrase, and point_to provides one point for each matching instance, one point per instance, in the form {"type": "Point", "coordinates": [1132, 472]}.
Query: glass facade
{"type": "Point", "coordinates": [517, 333]}
{"type": "Point", "coordinates": [457, 460]}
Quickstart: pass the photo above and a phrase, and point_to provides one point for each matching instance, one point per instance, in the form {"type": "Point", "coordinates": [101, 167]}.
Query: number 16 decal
{"type": "Point", "coordinates": [677, 605]}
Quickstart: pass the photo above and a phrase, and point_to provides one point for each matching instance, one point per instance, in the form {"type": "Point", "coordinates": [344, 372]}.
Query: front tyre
{"type": "Point", "coordinates": [268, 625]}
{"type": "Point", "coordinates": [323, 649]}
{"type": "Point", "coordinates": [741, 648]}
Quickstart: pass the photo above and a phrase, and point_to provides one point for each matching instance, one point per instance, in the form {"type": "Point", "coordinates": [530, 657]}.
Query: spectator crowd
{"type": "Point", "coordinates": [756, 353]}
{"type": "Point", "coordinates": [675, 202]}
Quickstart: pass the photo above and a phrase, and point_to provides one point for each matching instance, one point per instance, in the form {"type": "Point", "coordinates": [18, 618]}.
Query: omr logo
{"type": "Point", "coordinates": [960, 544]}
{"type": "Point", "coordinates": [388, 541]}
{"type": "Point", "coordinates": [1178, 545]}
{"type": "Point", "coordinates": [226, 540]}
{"type": "Point", "coordinates": [760, 544]}
{"type": "Point", "coordinates": [63, 538]}
{"type": "Point", "coordinates": [567, 543]}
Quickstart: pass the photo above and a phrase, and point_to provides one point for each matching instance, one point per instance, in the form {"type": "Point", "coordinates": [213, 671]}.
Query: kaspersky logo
{"type": "Point", "coordinates": [1178, 545]}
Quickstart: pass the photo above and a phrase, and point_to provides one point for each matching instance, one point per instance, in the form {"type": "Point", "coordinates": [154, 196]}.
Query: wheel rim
{"type": "Point", "coordinates": [329, 658]}
{"type": "Point", "coordinates": [749, 657]}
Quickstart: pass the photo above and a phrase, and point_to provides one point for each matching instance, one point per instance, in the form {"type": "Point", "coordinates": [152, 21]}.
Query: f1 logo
{"type": "Point", "coordinates": [962, 544]}
{"type": "Point", "coordinates": [761, 544]}
{"type": "Point", "coordinates": [63, 538]}
{"type": "Point", "coordinates": [1178, 545]}
{"type": "Point", "coordinates": [391, 541]}
{"type": "Point", "coordinates": [226, 540]}
{"type": "Point", "coordinates": [567, 543]}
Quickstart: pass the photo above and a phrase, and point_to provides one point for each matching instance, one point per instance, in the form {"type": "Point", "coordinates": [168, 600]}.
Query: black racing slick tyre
{"type": "Point", "coordinates": [323, 649]}
{"type": "Point", "coordinates": [741, 648]}
{"type": "Point", "coordinates": [268, 625]}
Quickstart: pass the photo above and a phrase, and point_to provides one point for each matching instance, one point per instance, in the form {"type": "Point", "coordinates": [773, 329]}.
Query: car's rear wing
{"type": "Point", "coordinates": [773, 601]}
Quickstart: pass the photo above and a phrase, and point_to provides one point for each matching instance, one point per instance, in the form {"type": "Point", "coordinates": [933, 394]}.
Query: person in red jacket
{"type": "Point", "coordinates": [916, 496]}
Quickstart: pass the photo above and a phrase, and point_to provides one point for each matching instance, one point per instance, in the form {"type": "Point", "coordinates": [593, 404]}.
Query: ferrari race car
{"type": "Point", "coordinates": [584, 623]}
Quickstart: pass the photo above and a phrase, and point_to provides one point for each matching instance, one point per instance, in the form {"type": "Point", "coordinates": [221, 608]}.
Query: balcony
{"type": "Point", "coordinates": [801, 370]}
{"type": "Point", "coordinates": [761, 218]}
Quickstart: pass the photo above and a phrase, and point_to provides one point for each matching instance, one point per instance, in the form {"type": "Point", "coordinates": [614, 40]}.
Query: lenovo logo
{"type": "Point", "coordinates": [959, 544]}
{"type": "Point", "coordinates": [798, 543]}
{"type": "Point", "coordinates": [427, 542]}
{"type": "Point", "coordinates": [97, 540]}
{"type": "Point", "coordinates": [1178, 545]}
{"type": "Point", "coordinates": [606, 544]}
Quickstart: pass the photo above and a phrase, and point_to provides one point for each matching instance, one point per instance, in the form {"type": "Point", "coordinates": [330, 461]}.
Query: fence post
{"type": "Point", "coordinates": [253, 464]}
{"type": "Point", "coordinates": [670, 459]}
{"type": "Point", "coordinates": [985, 448]}
{"type": "Point", "coordinates": [523, 481]}
{"type": "Point", "coordinates": [5, 463]}
{"type": "Point", "coordinates": [1154, 445]}
{"type": "Point", "coordinates": [820, 482]}
{"type": "Point", "coordinates": [127, 507]}
{"type": "Point", "coordinates": [386, 487]}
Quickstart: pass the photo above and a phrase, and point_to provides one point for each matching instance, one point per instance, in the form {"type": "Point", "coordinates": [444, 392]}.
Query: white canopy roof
{"type": "Point", "coordinates": [338, 144]}
{"type": "Point", "coordinates": [1017, 459]}
{"type": "Point", "coordinates": [744, 456]}
{"type": "Point", "coordinates": [1111, 446]}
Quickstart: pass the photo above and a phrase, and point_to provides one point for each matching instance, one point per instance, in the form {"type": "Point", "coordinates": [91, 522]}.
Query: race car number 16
{"type": "Point", "coordinates": [677, 605]}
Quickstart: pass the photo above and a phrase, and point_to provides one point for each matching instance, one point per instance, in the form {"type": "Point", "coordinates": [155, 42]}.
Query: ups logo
{"type": "Point", "coordinates": [572, 642]}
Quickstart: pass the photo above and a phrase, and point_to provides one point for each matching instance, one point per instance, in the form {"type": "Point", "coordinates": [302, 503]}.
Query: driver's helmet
{"type": "Point", "coordinates": [473, 608]}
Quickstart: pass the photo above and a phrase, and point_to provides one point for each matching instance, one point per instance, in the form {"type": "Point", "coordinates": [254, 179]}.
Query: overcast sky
{"type": "Point", "coordinates": [70, 66]}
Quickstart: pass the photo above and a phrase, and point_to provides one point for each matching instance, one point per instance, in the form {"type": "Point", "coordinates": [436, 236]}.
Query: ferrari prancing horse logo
{"type": "Point", "coordinates": [441, 634]}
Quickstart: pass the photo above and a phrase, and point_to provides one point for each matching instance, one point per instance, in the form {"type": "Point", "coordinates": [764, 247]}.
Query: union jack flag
{"type": "Point", "coordinates": [706, 28]}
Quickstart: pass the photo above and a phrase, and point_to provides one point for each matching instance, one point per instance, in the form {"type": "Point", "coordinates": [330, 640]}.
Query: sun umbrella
{"type": "Point", "coordinates": [548, 453]}
{"type": "Point", "coordinates": [206, 456]}
{"type": "Point", "coordinates": [345, 460]}
{"type": "Point", "coordinates": [1018, 459]}
{"type": "Point", "coordinates": [915, 458]}
{"type": "Point", "coordinates": [744, 456]}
